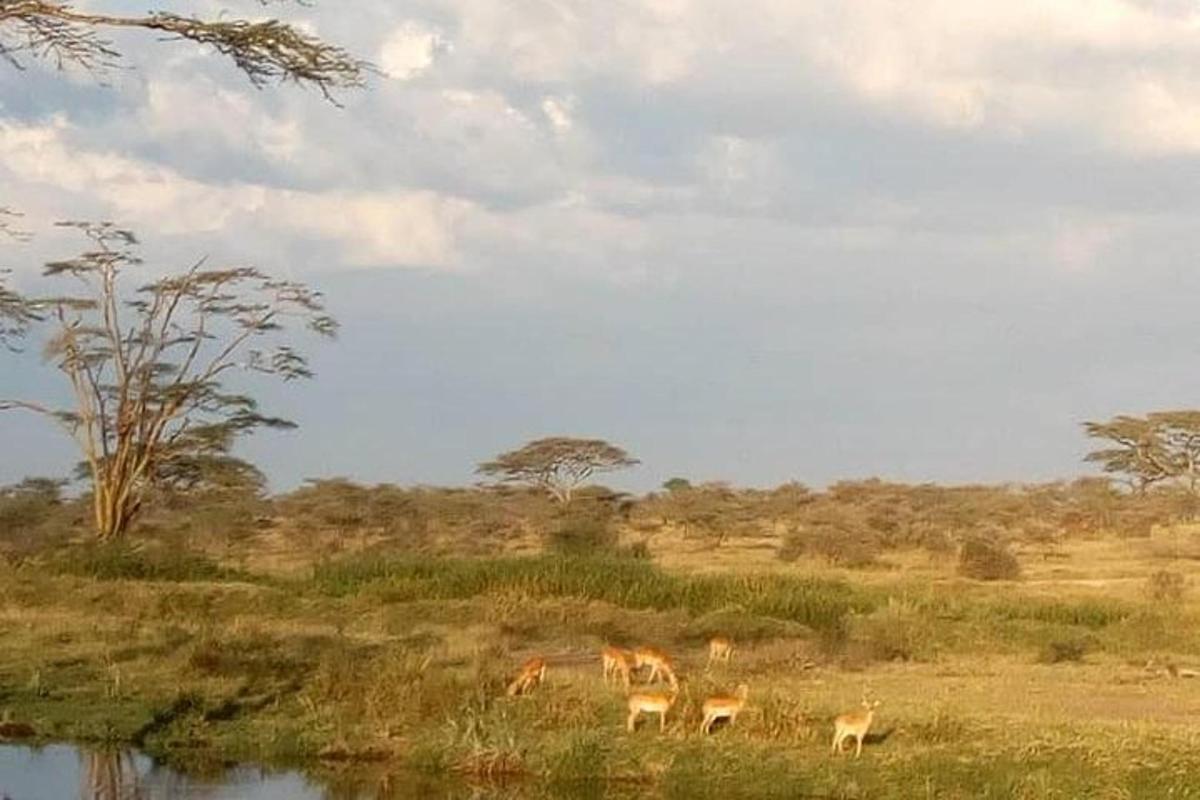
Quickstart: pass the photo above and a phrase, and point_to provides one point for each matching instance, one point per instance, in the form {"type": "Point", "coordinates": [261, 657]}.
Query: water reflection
{"type": "Point", "coordinates": [109, 775]}
{"type": "Point", "coordinates": [61, 772]}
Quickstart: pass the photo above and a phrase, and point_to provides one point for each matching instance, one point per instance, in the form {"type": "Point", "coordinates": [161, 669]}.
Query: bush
{"type": "Point", "coordinates": [1165, 586]}
{"type": "Point", "coordinates": [1063, 650]}
{"type": "Point", "coordinates": [987, 559]}
{"type": "Point", "coordinates": [840, 535]}
{"type": "Point", "coordinates": [895, 632]}
{"type": "Point", "coordinates": [584, 531]}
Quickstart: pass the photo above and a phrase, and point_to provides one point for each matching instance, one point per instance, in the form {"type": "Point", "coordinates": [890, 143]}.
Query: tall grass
{"type": "Point", "coordinates": [121, 561]}
{"type": "Point", "coordinates": [820, 604]}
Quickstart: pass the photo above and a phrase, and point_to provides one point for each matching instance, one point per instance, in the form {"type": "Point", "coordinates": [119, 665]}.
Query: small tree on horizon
{"type": "Point", "coordinates": [149, 404]}
{"type": "Point", "coordinates": [557, 464]}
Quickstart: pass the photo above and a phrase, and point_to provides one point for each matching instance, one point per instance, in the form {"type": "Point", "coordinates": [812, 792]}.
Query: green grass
{"type": "Point", "coordinates": [123, 561]}
{"type": "Point", "coordinates": [405, 659]}
{"type": "Point", "coordinates": [821, 604]}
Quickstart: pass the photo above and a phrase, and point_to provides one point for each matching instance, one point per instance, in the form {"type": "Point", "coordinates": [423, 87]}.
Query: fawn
{"type": "Point", "coordinates": [723, 706]}
{"type": "Point", "coordinates": [853, 723]}
{"type": "Point", "coordinates": [659, 662]}
{"type": "Point", "coordinates": [720, 648]}
{"type": "Point", "coordinates": [651, 703]}
{"type": "Point", "coordinates": [532, 673]}
{"type": "Point", "coordinates": [616, 661]}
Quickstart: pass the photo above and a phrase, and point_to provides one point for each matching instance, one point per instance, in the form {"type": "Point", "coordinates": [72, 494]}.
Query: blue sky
{"type": "Point", "coordinates": [760, 241]}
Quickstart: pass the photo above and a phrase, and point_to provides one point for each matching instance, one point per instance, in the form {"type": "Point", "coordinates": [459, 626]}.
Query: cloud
{"type": "Point", "coordinates": [396, 228]}
{"type": "Point", "coordinates": [410, 50]}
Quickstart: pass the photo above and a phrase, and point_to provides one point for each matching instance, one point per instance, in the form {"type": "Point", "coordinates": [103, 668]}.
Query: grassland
{"type": "Point", "coordinates": [375, 664]}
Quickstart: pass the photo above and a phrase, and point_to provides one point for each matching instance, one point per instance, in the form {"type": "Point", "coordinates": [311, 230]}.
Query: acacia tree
{"type": "Point", "coordinates": [558, 464]}
{"type": "Point", "coordinates": [1161, 446]}
{"type": "Point", "coordinates": [147, 369]}
{"type": "Point", "coordinates": [266, 51]}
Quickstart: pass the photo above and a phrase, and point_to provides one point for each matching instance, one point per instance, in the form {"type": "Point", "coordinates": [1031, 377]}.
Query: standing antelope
{"type": "Point", "coordinates": [533, 672]}
{"type": "Point", "coordinates": [853, 723]}
{"type": "Point", "coordinates": [616, 661]}
{"type": "Point", "coordinates": [651, 703]}
{"type": "Point", "coordinates": [723, 706]}
{"type": "Point", "coordinates": [720, 648]}
{"type": "Point", "coordinates": [659, 662]}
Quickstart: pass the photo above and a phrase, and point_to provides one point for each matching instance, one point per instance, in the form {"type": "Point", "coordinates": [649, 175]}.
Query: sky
{"type": "Point", "coordinates": [758, 241]}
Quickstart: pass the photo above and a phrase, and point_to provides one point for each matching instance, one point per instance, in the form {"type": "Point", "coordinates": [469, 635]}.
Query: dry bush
{"type": "Point", "coordinates": [987, 558]}
{"type": "Point", "coordinates": [839, 534]}
{"type": "Point", "coordinates": [1058, 651]}
{"type": "Point", "coordinates": [894, 632]}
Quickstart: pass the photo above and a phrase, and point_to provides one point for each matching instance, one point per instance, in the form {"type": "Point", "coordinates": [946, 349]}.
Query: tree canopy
{"type": "Point", "coordinates": [147, 368]}
{"type": "Point", "coordinates": [1161, 446]}
{"type": "Point", "coordinates": [558, 464]}
{"type": "Point", "coordinates": [266, 51]}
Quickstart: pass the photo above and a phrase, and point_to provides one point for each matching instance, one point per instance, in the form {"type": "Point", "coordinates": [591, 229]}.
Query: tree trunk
{"type": "Point", "coordinates": [113, 509]}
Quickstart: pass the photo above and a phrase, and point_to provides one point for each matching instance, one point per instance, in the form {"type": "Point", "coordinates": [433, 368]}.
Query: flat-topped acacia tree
{"type": "Point", "coordinates": [558, 464]}
{"type": "Point", "coordinates": [147, 368]}
{"type": "Point", "coordinates": [265, 50]}
{"type": "Point", "coordinates": [1160, 446]}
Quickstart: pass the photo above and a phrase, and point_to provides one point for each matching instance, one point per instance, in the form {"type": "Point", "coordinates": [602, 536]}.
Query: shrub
{"type": "Point", "coordinates": [895, 632]}
{"type": "Point", "coordinates": [987, 559]}
{"type": "Point", "coordinates": [1165, 586]}
{"type": "Point", "coordinates": [841, 535]}
{"type": "Point", "coordinates": [584, 531]}
{"type": "Point", "coordinates": [1063, 650]}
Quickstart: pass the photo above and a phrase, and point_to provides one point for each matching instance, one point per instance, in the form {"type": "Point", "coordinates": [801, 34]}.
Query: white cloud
{"type": "Point", "coordinates": [558, 112]}
{"type": "Point", "coordinates": [392, 228]}
{"type": "Point", "coordinates": [1116, 73]}
{"type": "Point", "coordinates": [410, 50]}
{"type": "Point", "coordinates": [197, 105]}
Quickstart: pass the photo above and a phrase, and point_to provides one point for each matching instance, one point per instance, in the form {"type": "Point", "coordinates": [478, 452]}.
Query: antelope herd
{"type": "Point", "coordinates": [619, 665]}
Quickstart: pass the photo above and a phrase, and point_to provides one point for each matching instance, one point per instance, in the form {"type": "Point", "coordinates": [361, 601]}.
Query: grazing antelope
{"type": "Point", "coordinates": [659, 662]}
{"type": "Point", "coordinates": [853, 723]}
{"type": "Point", "coordinates": [532, 673]}
{"type": "Point", "coordinates": [720, 648]}
{"type": "Point", "coordinates": [723, 706]}
{"type": "Point", "coordinates": [616, 661]}
{"type": "Point", "coordinates": [651, 703]}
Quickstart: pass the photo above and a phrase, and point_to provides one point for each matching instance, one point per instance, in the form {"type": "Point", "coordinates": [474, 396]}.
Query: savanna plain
{"type": "Point", "coordinates": [367, 635]}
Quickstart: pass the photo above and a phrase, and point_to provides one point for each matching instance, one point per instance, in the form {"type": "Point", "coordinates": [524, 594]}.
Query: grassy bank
{"type": "Point", "coordinates": [366, 666]}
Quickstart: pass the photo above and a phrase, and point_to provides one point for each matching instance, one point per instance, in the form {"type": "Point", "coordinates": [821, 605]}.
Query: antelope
{"type": "Point", "coordinates": [532, 673]}
{"type": "Point", "coordinates": [720, 648]}
{"type": "Point", "coordinates": [853, 723]}
{"type": "Point", "coordinates": [651, 703]}
{"type": "Point", "coordinates": [616, 661]}
{"type": "Point", "coordinates": [723, 706]}
{"type": "Point", "coordinates": [659, 662]}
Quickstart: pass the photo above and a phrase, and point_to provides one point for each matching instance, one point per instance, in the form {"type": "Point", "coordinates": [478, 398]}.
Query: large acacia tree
{"type": "Point", "coordinates": [147, 367]}
{"type": "Point", "coordinates": [1161, 446]}
{"type": "Point", "coordinates": [558, 464]}
{"type": "Point", "coordinates": [266, 50]}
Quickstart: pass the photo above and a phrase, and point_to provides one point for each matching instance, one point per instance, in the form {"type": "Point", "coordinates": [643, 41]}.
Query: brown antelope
{"type": "Point", "coordinates": [720, 648]}
{"type": "Point", "coordinates": [533, 672]}
{"type": "Point", "coordinates": [723, 706]}
{"type": "Point", "coordinates": [659, 662]}
{"type": "Point", "coordinates": [651, 703]}
{"type": "Point", "coordinates": [616, 661]}
{"type": "Point", "coordinates": [854, 723]}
